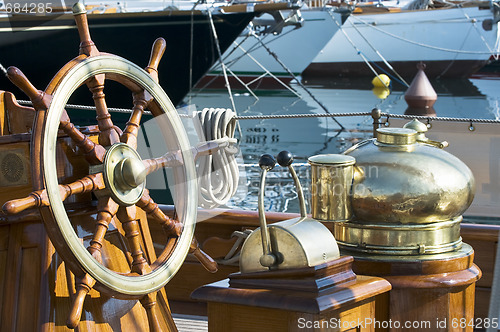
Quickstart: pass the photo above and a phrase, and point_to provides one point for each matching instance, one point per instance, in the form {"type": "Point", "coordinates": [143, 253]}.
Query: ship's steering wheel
{"type": "Point", "coordinates": [117, 174]}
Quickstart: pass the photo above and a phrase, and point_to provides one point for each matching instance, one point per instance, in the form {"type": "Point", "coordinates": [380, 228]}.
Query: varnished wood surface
{"type": "Point", "coordinates": [36, 286]}
{"type": "Point", "coordinates": [483, 239]}
{"type": "Point", "coordinates": [217, 226]}
{"type": "Point", "coordinates": [313, 279]}
{"type": "Point", "coordinates": [3, 114]}
{"type": "Point", "coordinates": [238, 308]}
{"type": "Point", "coordinates": [19, 118]}
{"type": "Point", "coordinates": [234, 217]}
{"type": "Point", "coordinates": [444, 280]}
{"type": "Point", "coordinates": [439, 290]}
{"type": "Point", "coordinates": [344, 306]}
{"type": "Point", "coordinates": [332, 299]}
{"type": "Point", "coordinates": [39, 292]}
{"type": "Point", "coordinates": [407, 266]}
{"type": "Point", "coordinates": [240, 318]}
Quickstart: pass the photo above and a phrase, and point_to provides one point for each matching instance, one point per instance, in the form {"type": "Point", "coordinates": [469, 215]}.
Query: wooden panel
{"type": "Point", "coordinates": [345, 321]}
{"type": "Point", "coordinates": [4, 242]}
{"type": "Point", "coordinates": [227, 318]}
{"type": "Point", "coordinates": [10, 302]}
{"type": "Point", "coordinates": [462, 305]}
{"type": "Point", "coordinates": [29, 290]}
{"type": "Point", "coordinates": [482, 302]}
{"type": "Point", "coordinates": [23, 190]}
{"type": "Point", "coordinates": [483, 238]}
{"type": "Point", "coordinates": [36, 286]}
{"type": "Point", "coordinates": [224, 317]}
{"type": "Point", "coordinates": [418, 305]}
{"type": "Point", "coordinates": [20, 118]}
{"type": "Point", "coordinates": [484, 258]}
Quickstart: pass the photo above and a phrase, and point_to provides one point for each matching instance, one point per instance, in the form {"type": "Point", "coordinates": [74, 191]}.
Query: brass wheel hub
{"type": "Point", "coordinates": [124, 174]}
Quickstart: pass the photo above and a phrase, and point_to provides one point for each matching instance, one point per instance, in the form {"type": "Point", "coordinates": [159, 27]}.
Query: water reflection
{"type": "Point", "coordinates": [304, 137]}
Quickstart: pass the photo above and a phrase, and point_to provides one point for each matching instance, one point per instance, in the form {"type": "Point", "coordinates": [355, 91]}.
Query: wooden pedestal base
{"type": "Point", "coordinates": [328, 297]}
{"type": "Point", "coordinates": [429, 292]}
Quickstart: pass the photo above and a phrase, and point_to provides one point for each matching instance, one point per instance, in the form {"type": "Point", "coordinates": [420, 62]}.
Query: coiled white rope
{"type": "Point", "coordinates": [218, 172]}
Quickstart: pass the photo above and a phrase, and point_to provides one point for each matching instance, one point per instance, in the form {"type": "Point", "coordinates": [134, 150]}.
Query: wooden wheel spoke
{"type": "Point", "coordinates": [154, 60]}
{"type": "Point", "coordinates": [208, 262]}
{"type": "Point", "coordinates": [141, 100]}
{"type": "Point", "coordinates": [83, 287]}
{"type": "Point", "coordinates": [87, 46]}
{"type": "Point", "coordinates": [94, 153]}
{"type": "Point", "coordinates": [129, 219]}
{"type": "Point", "coordinates": [170, 226]}
{"type": "Point", "coordinates": [174, 158]}
{"type": "Point", "coordinates": [41, 101]}
{"type": "Point", "coordinates": [109, 133]}
{"type": "Point", "coordinates": [39, 198]}
{"type": "Point", "coordinates": [169, 159]}
{"type": "Point", "coordinates": [194, 248]}
{"type": "Point", "coordinates": [106, 210]}
{"type": "Point", "coordinates": [131, 131]}
{"type": "Point", "coordinates": [148, 301]}
{"type": "Point", "coordinates": [89, 183]}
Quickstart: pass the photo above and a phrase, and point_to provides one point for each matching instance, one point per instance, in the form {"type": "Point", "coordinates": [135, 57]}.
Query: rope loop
{"type": "Point", "coordinates": [218, 172]}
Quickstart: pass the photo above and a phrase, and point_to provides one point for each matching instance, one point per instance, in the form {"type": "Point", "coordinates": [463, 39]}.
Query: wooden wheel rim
{"type": "Point", "coordinates": [124, 284]}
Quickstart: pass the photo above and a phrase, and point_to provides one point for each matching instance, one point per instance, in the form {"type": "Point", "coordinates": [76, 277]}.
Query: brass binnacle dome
{"type": "Point", "coordinates": [409, 183]}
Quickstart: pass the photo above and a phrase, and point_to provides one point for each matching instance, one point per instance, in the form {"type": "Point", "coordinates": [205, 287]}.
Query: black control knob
{"type": "Point", "coordinates": [285, 158]}
{"type": "Point", "coordinates": [267, 162]}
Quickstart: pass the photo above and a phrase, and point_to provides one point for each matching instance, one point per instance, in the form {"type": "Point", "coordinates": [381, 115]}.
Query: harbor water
{"type": "Point", "coordinates": [477, 97]}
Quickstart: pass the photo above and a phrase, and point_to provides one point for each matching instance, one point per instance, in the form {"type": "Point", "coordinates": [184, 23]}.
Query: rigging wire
{"type": "Point", "coordinates": [219, 53]}
{"type": "Point", "coordinates": [401, 79]}
{"type": "Point", "coordinates": [297, 80]}
{"type": "Point", "coordinates": [254, 47]}
{"type": "Point", "coordinates": [361, 55]}
{"type": "Point", "coordinates": [417, 43]}
{"type": "Point", "coordinates": [306, 115]}
{"type": "Point", "coordinates": [3, 70]}
{"type": "Point", "coordinates": [191, 52]}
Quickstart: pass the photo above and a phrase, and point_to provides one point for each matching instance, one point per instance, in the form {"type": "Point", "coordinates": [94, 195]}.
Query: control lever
{"type": "Point", "coordinates": [268, 259]}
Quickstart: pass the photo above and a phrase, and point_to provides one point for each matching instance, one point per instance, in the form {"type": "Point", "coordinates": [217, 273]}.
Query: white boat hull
{"type": "Point", "coordinates": [453, 42]}
{"type": "Point", "coordinates": [295, 48]}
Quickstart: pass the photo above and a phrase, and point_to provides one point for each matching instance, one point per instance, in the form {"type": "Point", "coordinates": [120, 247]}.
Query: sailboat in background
{"type": "Point", "coordinates": [453, 39]}
{"type": "Point", "coordinates": [269, 53]}
{"type": "Point", "coordinates": [127, 28]}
